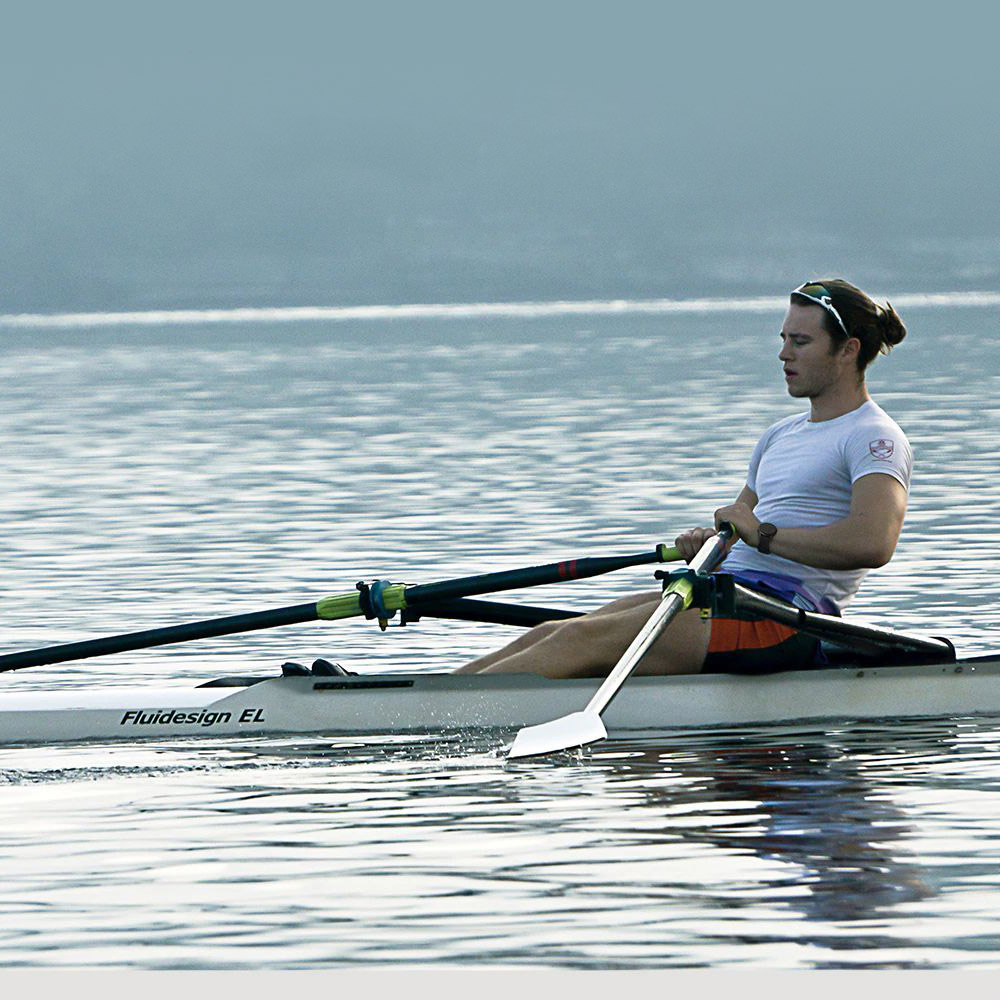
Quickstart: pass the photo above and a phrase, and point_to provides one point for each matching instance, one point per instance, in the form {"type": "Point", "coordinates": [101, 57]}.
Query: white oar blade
{"type": "Point", "coordinates": [570, 731]}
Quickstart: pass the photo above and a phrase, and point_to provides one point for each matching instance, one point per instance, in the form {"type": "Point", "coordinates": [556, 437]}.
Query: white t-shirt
{"type": "Point", "coordinates": [802, 473]}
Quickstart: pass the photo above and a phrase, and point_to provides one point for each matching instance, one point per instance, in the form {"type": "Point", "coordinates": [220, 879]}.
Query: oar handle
{"type": "Point", "coordinates": [725, 534]}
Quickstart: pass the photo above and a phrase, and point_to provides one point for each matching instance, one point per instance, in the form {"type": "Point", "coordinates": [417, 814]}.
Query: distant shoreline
{"type": "Point", "coordinates": [470, 310]}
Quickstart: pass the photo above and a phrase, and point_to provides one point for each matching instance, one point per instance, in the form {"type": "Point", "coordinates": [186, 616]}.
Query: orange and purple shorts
{"type": "Point", "coordinates": [761, 646]}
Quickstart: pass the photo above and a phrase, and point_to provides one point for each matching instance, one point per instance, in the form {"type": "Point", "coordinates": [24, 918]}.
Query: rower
{"type": "Point", "coordinates": [823, 503]}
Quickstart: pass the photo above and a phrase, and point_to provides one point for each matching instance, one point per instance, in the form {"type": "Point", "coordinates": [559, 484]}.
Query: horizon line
{"type": "Point", "coordinates": [468, 310]}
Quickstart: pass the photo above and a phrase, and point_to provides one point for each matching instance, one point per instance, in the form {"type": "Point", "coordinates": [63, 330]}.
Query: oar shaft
{"type": "Point", "coordinates": [673, 602]}
{"type": "Point", "coordinates": [533, 576]}
{"type": "Point", "coordinates": [667, 610]}
{"type": "Point", "coordinates": [293, 615]}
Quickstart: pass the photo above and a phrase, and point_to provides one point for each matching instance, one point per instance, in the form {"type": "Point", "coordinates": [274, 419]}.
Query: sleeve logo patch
{"type": "Point", "coordinates": [882, 448]}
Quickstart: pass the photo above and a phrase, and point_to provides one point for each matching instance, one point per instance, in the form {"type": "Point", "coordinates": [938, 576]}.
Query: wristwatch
{"type": "Point", "coordinates": [765, 533]}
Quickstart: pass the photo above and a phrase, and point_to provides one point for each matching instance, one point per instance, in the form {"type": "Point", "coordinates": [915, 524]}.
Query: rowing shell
{"type": "Point", "coordinates": [448, 703]}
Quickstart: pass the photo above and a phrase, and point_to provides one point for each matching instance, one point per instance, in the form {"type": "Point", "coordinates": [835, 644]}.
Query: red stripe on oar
{"type": "Point", "coordinates": [567, 570]}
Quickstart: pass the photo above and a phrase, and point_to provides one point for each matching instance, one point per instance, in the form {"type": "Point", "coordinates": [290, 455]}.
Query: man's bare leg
{"type": "Point", "coordinates": [590, 646]}
{"type": "Point", "coordinates": [545, 630]}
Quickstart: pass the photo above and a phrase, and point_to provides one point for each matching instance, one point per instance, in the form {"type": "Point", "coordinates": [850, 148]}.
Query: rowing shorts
{"type": "Point", "coordinates": [761, 647]}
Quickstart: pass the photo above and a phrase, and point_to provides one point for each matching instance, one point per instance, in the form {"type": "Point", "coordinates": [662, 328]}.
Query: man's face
{"type": "Point", "coordinates": [811, 368]}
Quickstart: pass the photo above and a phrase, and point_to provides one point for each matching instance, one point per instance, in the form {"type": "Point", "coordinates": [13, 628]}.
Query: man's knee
{"type": "Point", "coordinates": [546, 629]}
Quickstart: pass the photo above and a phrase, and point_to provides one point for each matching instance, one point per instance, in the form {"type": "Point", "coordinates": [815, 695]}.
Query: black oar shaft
{"type": "Point", "coordinates": [293, 615]}
{"type": "Point", "coordinates": [490, 612]}
{"type": "Point", "coordinates": [533, 576]}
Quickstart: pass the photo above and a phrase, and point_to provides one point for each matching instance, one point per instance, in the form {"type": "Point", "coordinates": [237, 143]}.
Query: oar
{"type": "Point", "coordinates": [581, 728]}
{"type": "Point", "coordinates": [381, 601]}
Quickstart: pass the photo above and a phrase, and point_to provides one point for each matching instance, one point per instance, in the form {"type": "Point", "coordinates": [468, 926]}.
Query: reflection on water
{"type": "Point", "coordinates": [178, 475]}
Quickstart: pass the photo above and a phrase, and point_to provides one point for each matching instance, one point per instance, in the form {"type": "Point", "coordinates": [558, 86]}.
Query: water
{"type": "Point", "coordinates": [852, 848]}
{"type": "Point", "coordinates": [165, 473]}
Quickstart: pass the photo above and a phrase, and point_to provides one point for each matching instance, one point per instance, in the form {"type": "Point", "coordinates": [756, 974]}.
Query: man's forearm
{"type": "Point", "coordinates": [865, 539]}
{"type": "Point", "coordinates": [852, 543]}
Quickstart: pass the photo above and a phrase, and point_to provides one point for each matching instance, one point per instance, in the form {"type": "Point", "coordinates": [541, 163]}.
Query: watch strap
{"type": "Point", "coordinates": [765, 533]}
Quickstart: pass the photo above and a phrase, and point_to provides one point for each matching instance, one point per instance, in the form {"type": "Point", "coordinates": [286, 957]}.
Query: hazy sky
{"type": "Point", "coordinates": [299, 153]}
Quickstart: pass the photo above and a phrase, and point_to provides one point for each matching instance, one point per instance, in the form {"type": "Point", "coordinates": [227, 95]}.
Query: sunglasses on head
{"type": "Point", "coordinates": [820, 295]}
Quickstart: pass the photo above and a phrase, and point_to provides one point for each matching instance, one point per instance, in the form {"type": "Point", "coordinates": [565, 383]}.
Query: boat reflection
{"type": "Point", "coordinates": [818, 803]}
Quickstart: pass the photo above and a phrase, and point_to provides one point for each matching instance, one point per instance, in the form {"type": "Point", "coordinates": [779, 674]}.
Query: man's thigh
{"type": "Point", "coordinates": [682, 647]}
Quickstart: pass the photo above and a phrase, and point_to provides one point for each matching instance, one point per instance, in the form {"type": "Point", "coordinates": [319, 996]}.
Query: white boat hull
{"type": "Point", "coordinates": [447, 703]}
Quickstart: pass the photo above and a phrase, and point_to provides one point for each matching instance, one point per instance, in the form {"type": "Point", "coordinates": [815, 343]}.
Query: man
{"type": "Point", "coordinates": [823, 503]}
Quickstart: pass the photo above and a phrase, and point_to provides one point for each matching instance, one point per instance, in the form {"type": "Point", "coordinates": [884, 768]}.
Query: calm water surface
{"type": "Point", "coordinates": [157, 476]}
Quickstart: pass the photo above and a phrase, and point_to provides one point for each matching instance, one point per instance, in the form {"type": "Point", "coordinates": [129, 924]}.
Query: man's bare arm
{"type": "Point", "coordinates": [865, 539]}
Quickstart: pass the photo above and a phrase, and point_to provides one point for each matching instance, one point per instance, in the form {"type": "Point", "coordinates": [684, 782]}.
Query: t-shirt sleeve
{"type": "Point", "coordinates": [756, 455]}
{"type": "Point", "coordinates": [880, 448]}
